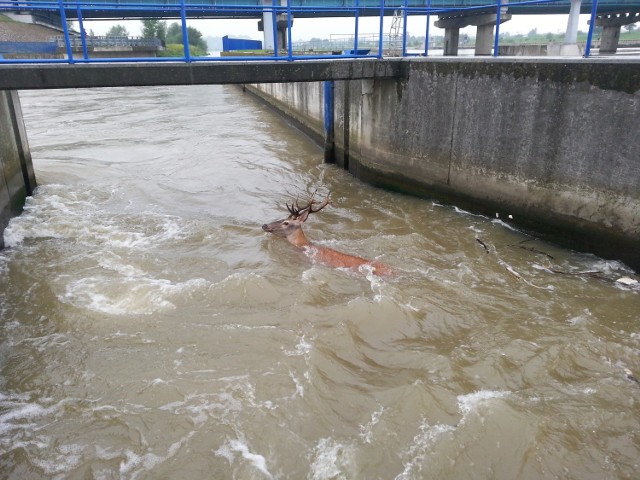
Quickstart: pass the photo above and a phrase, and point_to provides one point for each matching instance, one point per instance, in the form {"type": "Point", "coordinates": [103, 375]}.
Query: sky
{"type": "Point", "coordinates": [305, 28]}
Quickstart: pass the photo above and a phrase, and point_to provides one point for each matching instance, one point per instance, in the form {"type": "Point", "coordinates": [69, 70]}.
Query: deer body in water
{"type": "Point", "coordinates": [291, 229]}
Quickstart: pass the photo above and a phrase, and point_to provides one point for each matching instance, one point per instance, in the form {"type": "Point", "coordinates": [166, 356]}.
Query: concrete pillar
{"type": "Point", "coordinates": [570, 45]}
{"type": "Point", "coordinates": [571, 35]}
{"type": "Point", "coordinates": [611, 24]}
{"type": "Point", "coordinates": [17, 179]}
{"type": "Point", "coordinates": [283, 33]}
{"type": "Point", "coordinates": [451, 41]}
{"type": "Point", "coordinates": [267, 26]}
{"type": "Point", "coordinates": [609, 40]}
{"type": "Point", "coordinates": [484, 39]}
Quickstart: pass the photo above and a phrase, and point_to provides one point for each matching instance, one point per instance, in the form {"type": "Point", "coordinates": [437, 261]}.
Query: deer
{"type": "Point", "coordinates": [291, 229]}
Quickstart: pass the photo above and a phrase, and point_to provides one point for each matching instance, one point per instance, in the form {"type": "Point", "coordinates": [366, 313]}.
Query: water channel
{"type": "Point", "coordinates": [150, 329]}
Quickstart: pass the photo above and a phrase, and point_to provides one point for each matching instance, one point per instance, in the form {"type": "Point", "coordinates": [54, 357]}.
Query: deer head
{"type": "Point", "coordinates": [291, 227]}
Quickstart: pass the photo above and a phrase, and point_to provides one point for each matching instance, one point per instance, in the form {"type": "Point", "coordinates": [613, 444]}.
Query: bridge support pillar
{"type": "Point", "coordinates": [266, 25]}
{"type": "Point", "coordinates": [484, 39]}
{"type": "Point", "coordinates": [484, 36]}
{"type": "Point", "coordinates": [451, 41]}
{"type": "Point", "coordinates": [611, 29]}
{"type": "Point", "coordinates": [570, 45]}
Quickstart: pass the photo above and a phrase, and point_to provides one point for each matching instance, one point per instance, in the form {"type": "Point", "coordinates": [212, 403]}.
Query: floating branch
{"type": "Point", "coordinates": [630, 376]}
{"type": "Point", "coordinates": [531, 249]}
{"type": "Point", "coordinates": [483, 244]}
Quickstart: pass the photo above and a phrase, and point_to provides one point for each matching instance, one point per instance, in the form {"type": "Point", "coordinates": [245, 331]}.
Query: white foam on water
{"type": "Point", "coordinates": [497, 221]}
{"type": "Point", "coordinates": [200, 408]}
{"type": "Point", "coordinates": [236, 395]}
{"type": "Point", "coordinates": [580, 319]}
{"type": "Point", "coordinates": [470, 402]}
{"type": "Point", "coordinates": [420, 447]}
{"type": "Point", "coordinates": [30, 225]}
{"type": "Point", "coordinates": [237, 326]}
{"type": "Point", "coordinates": [229, 449]}
{"type": "Point", "coordinates": [20, 423]}
{"type": "Point", "coordinates": [332, 460]}
{"type": "Point", "coordinates": [54, 340]}
{"type": "Point", "coordinates": [55, 211]}
{"type": "Point", "coordinates": [374, 280]}
{"type": "Point", "coordinates": [18, 412]}
{"type": "Point", "coordinates": [65, 458]}
{"type": "Point", "coordinates": [302, 348]}
{"type": "Point", "coordinates": [132, 295]}
{"type": "Point", "coordinates": [464, 212]}
{"type": "Point", "coordinates": [4, 262]}
{"type": "Point", "coordinates": [136, 464]}
{"type": "Point", "coordinates": [366, 431]}
{"type": "Point", "coordinates": [299, 387]}
{"type": "Point", "coordinates": [609, 267]}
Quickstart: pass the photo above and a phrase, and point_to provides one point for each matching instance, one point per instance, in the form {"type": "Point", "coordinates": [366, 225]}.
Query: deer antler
{"type": "Point", "coordinates": [295, 210]}
{"type": "Point", "coordinates": [327, 199]}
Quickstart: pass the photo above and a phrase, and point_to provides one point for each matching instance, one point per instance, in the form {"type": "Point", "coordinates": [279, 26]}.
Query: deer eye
{"type": "Point", "coordinates": [286, 223]}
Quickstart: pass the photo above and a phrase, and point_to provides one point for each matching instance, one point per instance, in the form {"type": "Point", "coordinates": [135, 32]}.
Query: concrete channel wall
{"type": "Point", "coordinates": [17, 179]}
{"type": "Point", "coordinates": [554, 143]}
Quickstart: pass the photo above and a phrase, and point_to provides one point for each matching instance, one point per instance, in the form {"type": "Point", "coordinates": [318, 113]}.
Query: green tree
{"type": "Point", "coordinates": [174, 36]}
{"type": "Point", "coordinates": [153, 28]}
{"type": "Point", "coordinates": [630, 28]}
{"type": "Point", "coordinates": [117, 31]}
{"type": "Point", "coordinates": [195, 38]}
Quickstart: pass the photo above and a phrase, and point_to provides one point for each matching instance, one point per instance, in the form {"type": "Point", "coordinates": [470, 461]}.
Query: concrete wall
{"type": "Point", "coordinates": [301, 102]}
{"type": "Point", "coordinates": [554, 143]}
{"type": "Point", "coordinates": [17, 179]}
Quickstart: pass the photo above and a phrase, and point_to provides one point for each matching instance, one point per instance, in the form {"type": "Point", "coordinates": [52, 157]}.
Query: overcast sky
{"type": "Point", "coordinates": [306, 28]}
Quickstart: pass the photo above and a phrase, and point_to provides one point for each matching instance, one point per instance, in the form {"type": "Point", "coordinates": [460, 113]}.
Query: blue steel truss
{"type": "Point", "coordinates": [105, 9]}
{"type": "Point", "coordinates": [81, 10]}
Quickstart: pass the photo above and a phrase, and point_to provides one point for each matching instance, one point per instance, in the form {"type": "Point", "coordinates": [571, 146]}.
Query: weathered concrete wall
{"type": "Point", "coordinates": [300, 102]}
{"type": "Point", "coordinates": [17, 179]}
{"type": "Point", "coordinates": [553, 143]}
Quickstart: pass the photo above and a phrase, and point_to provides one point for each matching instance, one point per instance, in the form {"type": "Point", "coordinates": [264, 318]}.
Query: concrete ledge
{"type": "Point", "coordinates": [44, 76]}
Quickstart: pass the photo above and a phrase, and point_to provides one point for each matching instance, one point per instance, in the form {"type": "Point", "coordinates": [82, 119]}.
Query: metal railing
{"type": "Point", "coordinates": [107, 41]}
{"type": "Point", "coordinates": [184, 9]}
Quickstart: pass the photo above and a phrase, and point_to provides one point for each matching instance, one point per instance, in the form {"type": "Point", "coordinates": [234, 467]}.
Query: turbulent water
{"type": "Point", "coordinates": [150, 329]}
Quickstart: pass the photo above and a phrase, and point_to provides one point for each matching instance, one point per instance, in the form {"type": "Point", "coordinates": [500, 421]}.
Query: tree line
{"type": "Point", "coordinates": [170, 36]}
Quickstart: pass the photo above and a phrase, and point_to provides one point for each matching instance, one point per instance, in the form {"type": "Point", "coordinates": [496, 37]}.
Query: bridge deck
{"type": "Point", "coordinates": [105, 9]}
{"type": "Point", "coordinates": [34, 76]}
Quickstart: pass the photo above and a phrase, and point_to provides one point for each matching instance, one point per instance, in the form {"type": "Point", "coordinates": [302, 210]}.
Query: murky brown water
{"type": "Point", "coordinates": [150, 329]}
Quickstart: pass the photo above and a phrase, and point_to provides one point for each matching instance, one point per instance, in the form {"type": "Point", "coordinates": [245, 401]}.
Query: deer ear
{"type": "Point", "coordinates": [303, 216]}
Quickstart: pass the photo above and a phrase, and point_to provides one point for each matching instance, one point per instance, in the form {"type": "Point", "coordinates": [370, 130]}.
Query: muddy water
{"type": "Point", "coordinates": [150, 329]}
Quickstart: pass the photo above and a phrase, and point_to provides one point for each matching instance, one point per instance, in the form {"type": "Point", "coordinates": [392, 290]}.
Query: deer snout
{"type": "Point", "coordinates": [266, 228]}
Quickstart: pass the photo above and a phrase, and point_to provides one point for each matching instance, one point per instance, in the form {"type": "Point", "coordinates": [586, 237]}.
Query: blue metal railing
{"type": "Point", "coordinates": [184, 9]}
{"type": "Point", "coordinates": [107, 41]}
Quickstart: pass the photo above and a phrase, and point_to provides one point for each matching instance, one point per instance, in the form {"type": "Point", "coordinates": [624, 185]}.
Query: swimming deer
{"type": "Point", "coordinates": [291, 229]}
